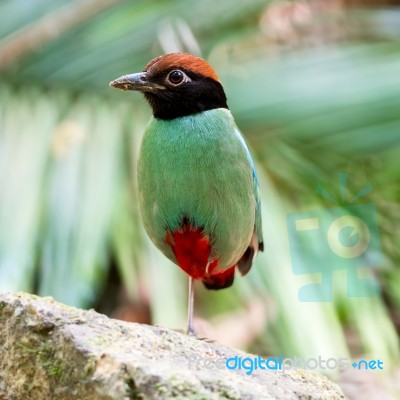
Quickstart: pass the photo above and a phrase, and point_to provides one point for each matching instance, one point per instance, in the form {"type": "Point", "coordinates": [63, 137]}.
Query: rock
{"type": "Point", "coordinates": [51, 351]}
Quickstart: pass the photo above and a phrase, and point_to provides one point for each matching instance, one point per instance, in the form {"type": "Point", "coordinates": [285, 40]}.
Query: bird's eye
{"type": "Point", "coordinates": [176, 77]}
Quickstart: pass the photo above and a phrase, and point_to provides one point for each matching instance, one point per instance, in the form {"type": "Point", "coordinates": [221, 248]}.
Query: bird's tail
{"type": "Point", "coordinates": [220, 280]}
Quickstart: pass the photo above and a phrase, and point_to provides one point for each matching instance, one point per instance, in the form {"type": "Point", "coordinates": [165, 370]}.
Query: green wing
{"type": "Point", "coordinates": [256, 243]}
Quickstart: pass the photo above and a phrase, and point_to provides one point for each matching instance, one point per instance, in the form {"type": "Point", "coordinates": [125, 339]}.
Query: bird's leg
{"type": "Point", "coordinates": [190, 328]}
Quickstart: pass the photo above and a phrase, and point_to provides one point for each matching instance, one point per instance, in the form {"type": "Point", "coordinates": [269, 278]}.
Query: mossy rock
{"type": "Point", "coordinates": [51, 351]}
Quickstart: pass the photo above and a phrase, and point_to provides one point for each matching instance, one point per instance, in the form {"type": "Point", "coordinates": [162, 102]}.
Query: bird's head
{"type": "Point", "coordinates": [176, 85]}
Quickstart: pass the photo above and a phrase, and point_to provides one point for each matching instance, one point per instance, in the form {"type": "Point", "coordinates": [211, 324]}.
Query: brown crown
{"type": "Point", "coordinates": [185, 61]}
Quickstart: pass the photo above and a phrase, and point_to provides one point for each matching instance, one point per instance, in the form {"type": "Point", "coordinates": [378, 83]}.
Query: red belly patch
{"type": "Point", "coordinates": [192, 250]}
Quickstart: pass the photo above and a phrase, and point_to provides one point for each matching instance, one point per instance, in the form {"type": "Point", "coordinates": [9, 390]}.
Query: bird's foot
{"type": "Point", "coordinates": [194, 335]}
{"type": "Point", "coordinates": [185, 332]}
{"type": "Point", "coordinates": [191, 332]}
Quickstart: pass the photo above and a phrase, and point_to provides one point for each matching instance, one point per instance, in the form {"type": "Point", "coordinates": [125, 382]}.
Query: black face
{"type": "Point", "coordinates": [181, 92]}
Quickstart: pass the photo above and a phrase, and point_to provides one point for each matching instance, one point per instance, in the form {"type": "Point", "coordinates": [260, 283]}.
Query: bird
{"type": "Point", "coordinates": [198, 189]}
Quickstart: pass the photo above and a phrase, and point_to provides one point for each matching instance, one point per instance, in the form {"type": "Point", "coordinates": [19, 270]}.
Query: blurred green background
{"type": "Point", "coordinates": [315, 88]}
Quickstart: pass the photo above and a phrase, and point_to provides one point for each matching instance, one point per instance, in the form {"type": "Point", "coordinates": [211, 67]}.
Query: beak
{"type": "Point", "coordinates": [137, 81]}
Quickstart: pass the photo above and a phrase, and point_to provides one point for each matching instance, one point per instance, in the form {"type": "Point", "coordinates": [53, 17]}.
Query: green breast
{"type": "Point", "coordinates": [196, 167]}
